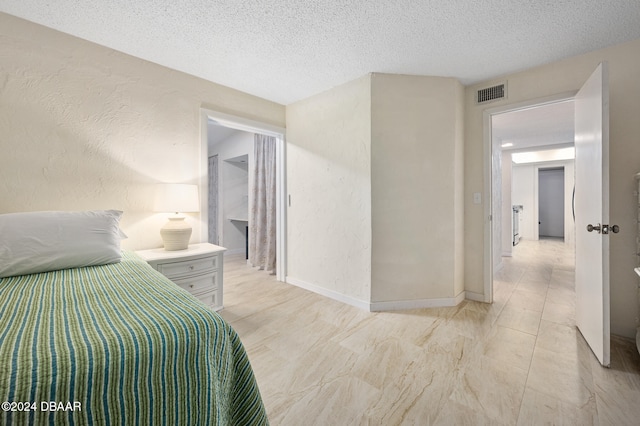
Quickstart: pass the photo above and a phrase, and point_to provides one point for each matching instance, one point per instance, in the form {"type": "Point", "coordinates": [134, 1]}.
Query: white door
{"type": "Point", "coordinates": [592, 208]}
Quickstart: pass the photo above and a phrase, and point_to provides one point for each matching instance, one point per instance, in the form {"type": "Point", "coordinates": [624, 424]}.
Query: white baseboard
{"type": "Point", "coordinates": [402, 305]}
{"type": "Point", "coordinates": [395, 305]}
{"type": "Point", "coordinates": [476, 297]}
{"type": "Point", "coordinates": [361, 304]}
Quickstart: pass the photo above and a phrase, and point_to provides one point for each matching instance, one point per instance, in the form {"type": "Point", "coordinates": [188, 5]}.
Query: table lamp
{"type": "Point", "coordinates": [176, 198]}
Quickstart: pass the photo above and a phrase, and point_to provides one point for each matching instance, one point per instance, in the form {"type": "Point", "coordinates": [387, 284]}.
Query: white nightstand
{"type": "Point", "coordinates": [198, 269]}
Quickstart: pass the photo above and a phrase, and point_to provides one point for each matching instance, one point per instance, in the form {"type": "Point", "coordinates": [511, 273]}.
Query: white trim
{"type": "Point", "coordinates": [252, 126]}
{"type": "Point", "coordinates": [533, 103]}
{"type": "Point", "coordinates": [395, 305]}
{"type": "Point", "coordinates": [244, 124]}
{"type": "Point", "coordinates": [402, 305]}
{"type": "Point", "coordinates": [470, 295]}
{"type": "Point", "coordinates": [488, 181]}
{"type": "Point", "coordinates": [281, 209]}
{"type": "Point", "coordinates": [488, 187]}
{"type": "Point", "coordinates": [536, 202]}
{"type": "Point", "coordinates": [329, 293]}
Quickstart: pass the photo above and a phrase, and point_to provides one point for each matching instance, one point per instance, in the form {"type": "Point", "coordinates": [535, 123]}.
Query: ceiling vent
{"type": "Point", "coordinates": [492, 93]}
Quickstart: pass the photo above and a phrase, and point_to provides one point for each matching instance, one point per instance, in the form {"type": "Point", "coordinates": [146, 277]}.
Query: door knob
{"type": "Point", "coordinates": [604, 228]}
{"type": "Point", "coordinates": [592, 228]}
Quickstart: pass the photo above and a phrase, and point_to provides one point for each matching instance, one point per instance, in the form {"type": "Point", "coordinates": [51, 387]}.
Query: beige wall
{"type": "Point", "coordinates": [329, 181]}
{"type": "Point", "coordinates": [416, 167]}
{"type": "Point", "coordinates": [86, 127]}
{"type": "Point", "coordinates": [553, 79]}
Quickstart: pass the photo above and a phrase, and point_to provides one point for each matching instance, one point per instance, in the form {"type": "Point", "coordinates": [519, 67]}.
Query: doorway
{"type": "Point", "coordinates": [551, 202]}
{"type": "Point", "coordinates": [233, 123]}
{"type": "Point", "coordinates": [537, 133]}
{"type": "Point", "coordinates": [591, 260]}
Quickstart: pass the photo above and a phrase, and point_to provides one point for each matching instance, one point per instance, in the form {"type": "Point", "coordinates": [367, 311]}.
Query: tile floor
{"type": "Point", "coordinates": [518, 361]}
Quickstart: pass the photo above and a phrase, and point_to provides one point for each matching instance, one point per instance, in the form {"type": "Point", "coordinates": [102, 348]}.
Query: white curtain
{"type": "Point", "coordinates": [262, 220]}
{"type": "Point", "coordinates": [213, 199]}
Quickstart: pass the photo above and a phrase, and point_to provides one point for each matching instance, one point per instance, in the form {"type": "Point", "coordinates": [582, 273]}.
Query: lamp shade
{"type": "Point", "coordinates": [177, 198]}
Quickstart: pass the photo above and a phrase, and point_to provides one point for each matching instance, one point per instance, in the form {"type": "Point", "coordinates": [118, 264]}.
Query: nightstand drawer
{"type": "Point", "coordinates": [198, 269]}
{"type": "Point", "coordinates": [210, 299]}
{"type": "Point", "coordinates": [177, 269]}
{"type": "Point", "coordinates": [199, 284]}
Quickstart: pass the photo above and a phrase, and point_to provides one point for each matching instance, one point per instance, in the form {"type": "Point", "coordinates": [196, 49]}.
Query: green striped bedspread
{"type": "Point", "coordinates": [118, 344]}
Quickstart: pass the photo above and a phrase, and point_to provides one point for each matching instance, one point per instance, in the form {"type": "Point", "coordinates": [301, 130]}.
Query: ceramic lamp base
{"type": "Point", "coordinates": [176, 234]}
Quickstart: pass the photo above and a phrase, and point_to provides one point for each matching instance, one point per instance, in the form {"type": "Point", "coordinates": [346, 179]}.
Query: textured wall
{"type": "Point", "coordinates": [86, 127]}
{"type": "Point", "coordinates": [416, 145]}
{"type": "Point", "coordinates": [552, 79]}
{"type": "Point", "coordinates": [329, 180]}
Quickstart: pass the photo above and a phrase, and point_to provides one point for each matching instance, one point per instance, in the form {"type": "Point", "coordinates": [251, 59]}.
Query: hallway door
{"type": "Point", "coordinates": [592, 208]}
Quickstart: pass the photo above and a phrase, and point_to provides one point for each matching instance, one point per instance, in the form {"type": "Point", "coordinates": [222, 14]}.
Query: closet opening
{"type": "Point", "coordinates": [244, 190]}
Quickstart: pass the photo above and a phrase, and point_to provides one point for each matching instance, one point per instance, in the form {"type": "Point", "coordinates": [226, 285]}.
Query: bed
{"type": "Point", "coordinates": [118, 343]}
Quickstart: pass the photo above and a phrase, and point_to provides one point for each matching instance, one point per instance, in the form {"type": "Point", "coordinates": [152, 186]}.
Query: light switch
{"type": "Point", "coordinates": [477, 198]}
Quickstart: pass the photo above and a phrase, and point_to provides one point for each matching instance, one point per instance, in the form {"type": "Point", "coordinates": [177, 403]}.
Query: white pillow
{"type": "Point", "coordinates": [47, 241]}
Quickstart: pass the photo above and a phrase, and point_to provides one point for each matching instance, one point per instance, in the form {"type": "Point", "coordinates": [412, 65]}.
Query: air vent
{"type": "Point", "coordinates": [492, 93]}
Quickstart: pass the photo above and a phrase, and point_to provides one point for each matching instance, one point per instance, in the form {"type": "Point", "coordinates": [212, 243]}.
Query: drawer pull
{"type": "Point", "coordinates": [191, 285]}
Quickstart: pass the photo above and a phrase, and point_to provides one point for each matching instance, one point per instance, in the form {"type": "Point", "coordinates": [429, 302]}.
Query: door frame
{"type": "Point", "coordinates": [252, 126]}
{"type": "Point", "coordinates": [217, 190]}
{"type": "Point", "coordinates": [489, 173]}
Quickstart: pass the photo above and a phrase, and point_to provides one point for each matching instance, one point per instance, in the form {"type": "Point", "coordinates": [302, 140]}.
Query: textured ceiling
{"type": "Point", "coordinates": [286, 50]}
